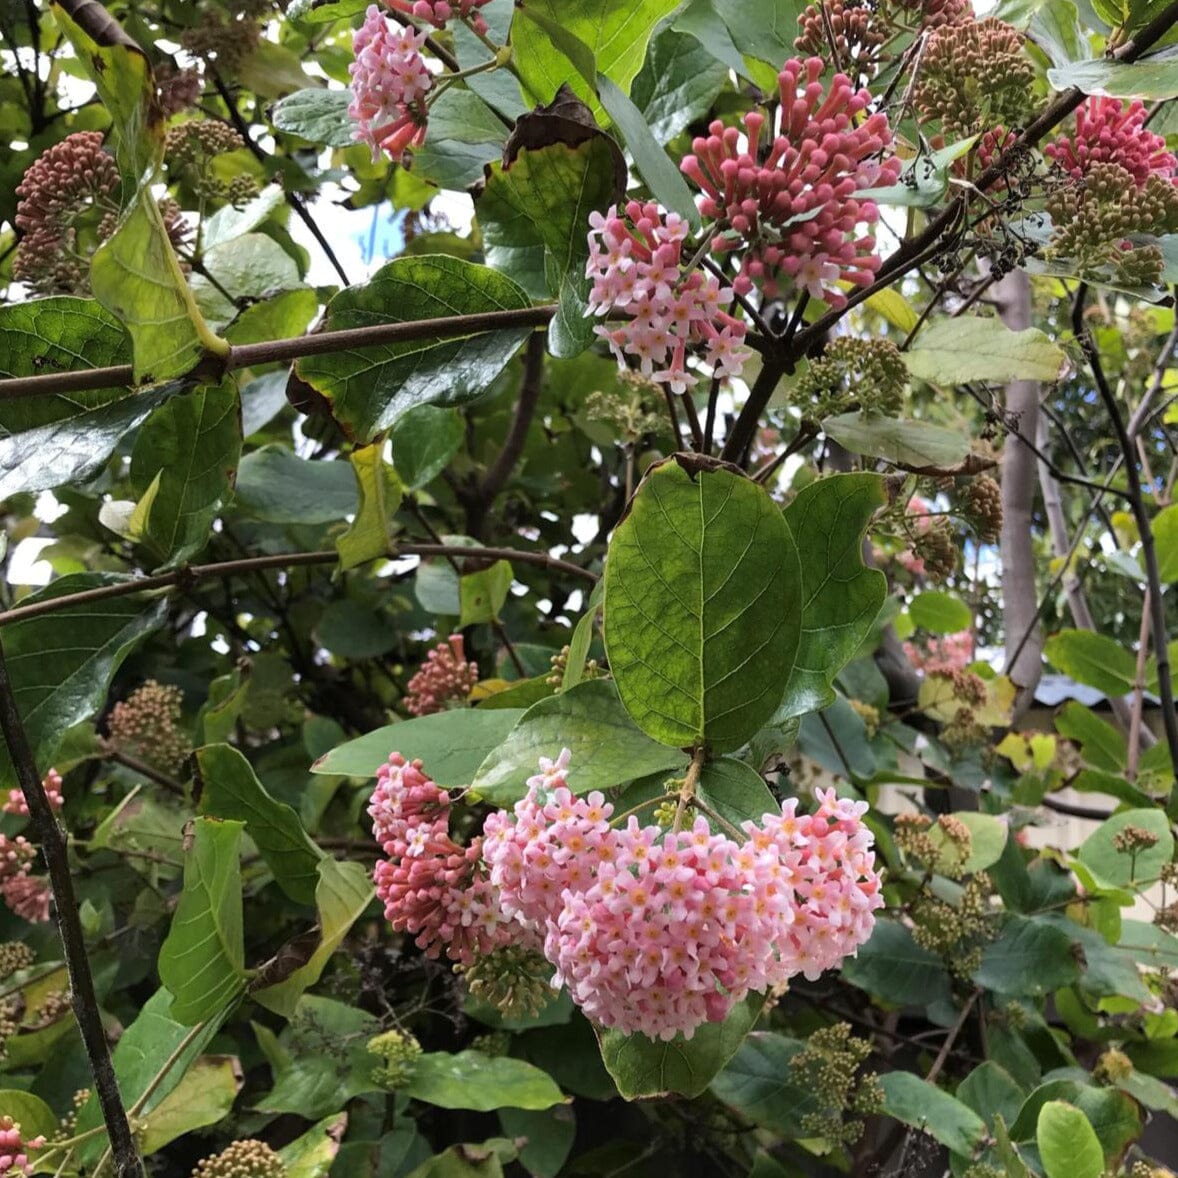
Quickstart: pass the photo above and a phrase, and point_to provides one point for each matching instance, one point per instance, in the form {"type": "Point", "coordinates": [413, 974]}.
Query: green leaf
{"type": "Point", "coordinates": [481, 595]}
{"type": "Point", "coordinates": [252, 266]}
{"type": "Point", "coordinates": [1067, 1142]}
{"type": "Point", "coordinates": [1114, 1116]}
{"type": "Point", "coordinates": [1096, 660]}
{"type": "Point", "coordinates": [31, 1113]}
{"type": "Point", "coordinates": [702, 607]}
{"type": "Point", "coordinates": [188, 449]}
{"type": "Point", "coordinates": [61, 664]}
{"type": "Point", "coordinates": [589, 720]}
{"type": "Point", "coordinates": [643, 1067]}
{"type": "Point", "coordinates": [135, 274]}
{"type": "Point", "coordinates": [312, 1154]}
{"type": "Point", "coordinates": [423, 442]}
{"type": "Point", "coordinates": [1152, 80]}
{"type": "Point", "coordinates": [987, 839]}
{"type": "Point", "coordinates": [954, 351]}
{"type": "Point", "coordinates": [991, 1092]}
{"type": "Point", "coordinates": [202, 960]}
{"type": "Point", "coordinates": [1101, 745]}
{"type": "Point", "coordinates": [841, 596]}
{"type": "Point", "coordinates": [452, 745]}
{"type": "Point", "coordinates": [203, 1097]}
{"type": "Point", "coordinates": [582, 639]}
{"type": "Point", "coordinates": [470, 1161]}
{"type": "Point", "coordinates": [924, 1106]}
{"type": "Point", "coordinates": [370, 533]}
{"type": "Point", "coordinates": [1165, 535]}
{"type": "Point", "coordinates": [940, 613]}
{"type": "Point", "coordinates": [317, 115]}
{"type": "Point", "coordinates": [735, 791]}
{"type": "Point", "coordinates": [153, 1040]}
{"type": "Point", "coordinates": [925, 180]}
{"type": "Point", "coordinates": [472, 1080]}
{"type": "Point", "coordinates": [615, 32]}
{"type": "Point", "coordinates": [1030, 956]}
{"type": "Point", "coordinates": [894, 968]}
{"type": "Point", "coordinates": [226, 787]}
{"type": "Point", "coordinates": [549, 1134]}
{"type": "Point", "coordinates": [679, 81]}
{"type": "Point", "coordinates": [465, 135]}
{"type": "Point", "coordinates": [343, 893]}
{"type": "Point", "coordinates": [314, 12]}
{"type": "Point", "coordinates": [765, 31]}
{"type": "Point", "coordinates": [1120, 868]}
{"type": "Point", "coordinates": [371, 388]}
{"type": "Point", "coordinates": [915, 445]}
{"type": "Point", "coordinates": [759, 1083]}
{"type": "Point", "coordinates": [49, 440]}
{"type": "Point", "coordinates": [278, 487]}
{"type": "Point", "coordinates": [231, 222]}
{"type": "Point", "coordinates": [1055, 28]}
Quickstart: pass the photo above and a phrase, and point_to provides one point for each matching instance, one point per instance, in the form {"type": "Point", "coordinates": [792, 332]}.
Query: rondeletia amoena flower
{"type": "Point", "coordinates": [651, 930]}
{"type": "Point", "coordinates": [1108, 132]}
{"type": "Point", "coordinates": [438, 12]}
{"type": "Point", "coordinates": [787, 196]}
{"type": "Point", "coordinates": [14, 1150]}
{"type": "Point", "coordinates": [389, 83]}
{"type": "Point", "coordinates": [446, 676]}
{"type": "Point", "coordinates": [637, 266]}
{"type": "Point", "coordinates": [51, 783]}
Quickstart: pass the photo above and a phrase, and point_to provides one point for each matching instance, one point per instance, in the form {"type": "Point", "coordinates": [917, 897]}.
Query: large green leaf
{"type": "Point", "coordinates": [203, 1097]}
{"type": "Point", "coordinates": [764, 31]}
{"type": "Point", "coordinates": [202, 960]}
{"type": "Point", "coordinates": [1030, 956]}
{"type": "Point", "coordinates": [1096, 660]}
{"type": "Point", "coordinates": [953, 351]}
{"type": "Point", "coordinates": [1101, 745]}
{"type": "Point", "coordinates": [1152, 80]}
{"type": "Point", "coordinates": [31, 1113]}
{"type": "Point", "coordinates": [758, 1082]}
{"type": "Point", "coordinates": [1113, 1115]}
{"type": "Point", "coordinates": [1067, 1143]}
{"type": "Point", "coordinates": [465, 135]}
{"type": "Point", "coordinates": [379, 493]}
{"type": "Point", "coordinates": [49, 440]}
{"type": "Point", "coordinates": [677, 85]}
{"type": "Point", "coordinates": [423, 441]}
{"type": "Point", "coordinates": [703, 607]}
{"type": "Point", "coordinates": [589, 720]}
{"type": "Point", "coordinates": [472, 1080]}
{"type": "Point", "coordinates": [894, 968]}
{"type": "Point", "coordinates": [1165, 535]}
{"type": "Point", "coordinates": [61, 663]}
{"type": "Point", "coordinates": [939, 612]}
{"type": "Point", "coordinates": [924, 1106]}
{"type": "Point", "coordinates": [275, 485]}
{"type": "Point", "coordinates": [452, 745]}
{"type": "Point", "coordinates": [370, 388]}
{"type": "Point", "coordinates": [841, 596]}
{"type": "Point", "coordinates": [154, 1053]}
{"type": "Point", "coordinates": [616, 32]}
{"type": "Point", "coordinates": [1121, 868]}
{"type": "Point", "coordinates": [991, 1092]}
{"type": "Point", "coordinates": [182, 467]}
{"type": "Point", "coordinates": [227, 787]}
{"type": "Point", "coordinates": [312, 1154]}
{"type": "Point", "coordinates": [643, 1067]}
{"type": "Point", "coordinates": [915, 445]}
{"type": "Point", "coordinates": [317, 115]}
{"type": "Point", "coordinates": [341, 896]}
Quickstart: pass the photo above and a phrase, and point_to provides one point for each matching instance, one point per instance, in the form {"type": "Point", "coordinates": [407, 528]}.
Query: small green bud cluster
{"type": "Point", "coordinates": [514, 980]}
{"type": "Point", "coordinates": [193, 146]}
{"type": "Point", "coordinates": [398, 1052]}
{"type": "Point", "coordinates": [560, 661]}
{"type": "Point", "coordinates": [146, 725]}
{"type": "Point", "coordinates": [828, 1066]}
{"type": "Point", "coordinates": [982, 507]}
{"type": "Point", "coordinates": [494, 1043]}
{"type": "Point", "coordinates": [248, 1158]}
{"type": "Point", "coordinates": [853, 374]}
{"type": "Point", "coordinates": [937, 548]}
{"type": "Point", "coordinates": [957, 932]}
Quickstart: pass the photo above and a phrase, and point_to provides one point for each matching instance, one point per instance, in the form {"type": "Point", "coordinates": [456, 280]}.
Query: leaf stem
{"type": "Point", "coordinates": [687, 790]}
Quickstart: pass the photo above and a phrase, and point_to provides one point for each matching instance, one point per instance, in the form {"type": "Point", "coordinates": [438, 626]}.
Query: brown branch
{"type": "Point", "coordinates": [111, 753]}
{"type": "Point", "coordinates": [192, 574]}
{"type": "Point", "coordinates": [284, 350]}
{"type": "Point", "coordinates": [54, 847]}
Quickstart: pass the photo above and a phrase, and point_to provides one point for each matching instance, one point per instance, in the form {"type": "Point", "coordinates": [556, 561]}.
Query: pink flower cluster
{"type": "Point", "coordinates": [16, 803]}
{"type": "Point", "coordinates": [636, 263]}
{"type": "Point", "coordinates": [657, 932]}
{"type": "Point", "coordinates": [25, 894]}
{"type": "Point", "coordinates": [789, 198]}
{"type": "Point", "coordinates": [1107, 132]}
{"type": "Point", "coordinates": [14, 1150]}
{"type": "Point", "coordinates": [431, 887]}
{"type": "Point", "coordinates": [939, 656]}
{"type": "Point", "coordinates": [446, 676]}
{"type": "Point", "coordinates": [438, 12]}
{"type": "Point", "coordinates": [389, 83]}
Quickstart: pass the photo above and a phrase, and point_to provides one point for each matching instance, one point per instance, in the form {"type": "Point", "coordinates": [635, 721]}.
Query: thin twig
{"type": "Point", "coordinates": [55, 849]}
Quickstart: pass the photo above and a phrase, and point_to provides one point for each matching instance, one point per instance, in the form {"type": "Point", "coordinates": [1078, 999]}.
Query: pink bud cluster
{"type": "Point", "coordinates": [389, 83]}
{"type": "Point", "coordinates": [942, 656]}
{"type": "Point", "coordinates": [1107, 132]}
{"type": "Point", "coordinates": [788, 198]}
{"type": "Point", "coordinates": [51, 783]}
{"type": "Point", "coordinates": [438, 12]}
{"type": "Point", "coordinates": [445, 677]}
{"type": "Point", "coordinates": [14, 1150]}
{"type": "Point", "coordinates": [25, 894]}
{"type": "Point", "coordinates": [636, 263]}
{"type": "Point", "coordinates": [431, 887]}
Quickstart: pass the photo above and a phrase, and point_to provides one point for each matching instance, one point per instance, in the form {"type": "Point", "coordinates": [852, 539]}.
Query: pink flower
{"type": "Point", "coordinates": [390, 81]}
{"type": "Point", "coordinates": [445, 677]}
{"type": "Point", "coordinates": [14, 1150]}
{"type": "Point", "coordinates": [438, 12]}
{"type": "Point", "coordinates": [953, 652]}
{"type": "Point", "coordinates": [788, 199]}
{"type": "Point", "coordinates": [16, 803]}
{"type": "Point", "coordinates": [27, 896]}
{"type": "Point", "coordinates": [636, 263]}
{"type": "Point", "coordinates": [1109, 132]}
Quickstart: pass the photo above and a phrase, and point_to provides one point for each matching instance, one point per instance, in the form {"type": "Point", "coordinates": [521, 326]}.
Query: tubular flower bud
{"type": "Point", "coordinates": [438, 12]}
{"type": "Point", "coordinates": [14, 1150]}
{"type": "Point", "coordinates": [445, 677]}
{"type": "Point", "coordinates": [1108, 132]}
{"type": "Point", "coordinates": [51, 783]}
